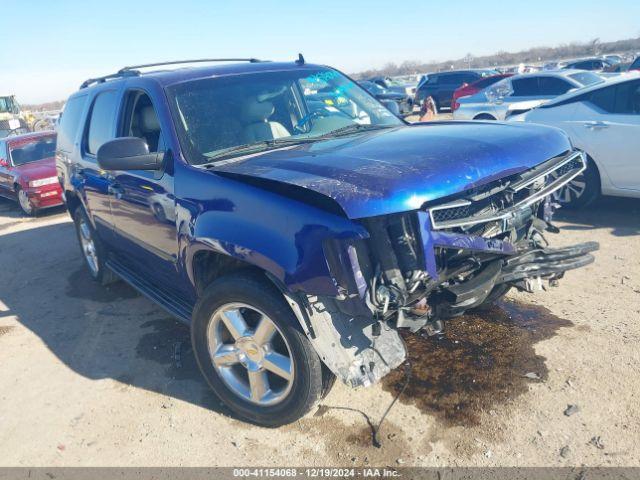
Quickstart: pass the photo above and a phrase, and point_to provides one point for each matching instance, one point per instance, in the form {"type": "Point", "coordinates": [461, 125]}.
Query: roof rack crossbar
{"type": "Point", "coordinates": [198, 60]}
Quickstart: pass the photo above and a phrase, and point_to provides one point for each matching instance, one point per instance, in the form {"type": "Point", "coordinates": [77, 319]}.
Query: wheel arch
{"type": "Point", "coordinates": [72, 201]}
{"type": "Point", "coordinates": [592, 163]}
{"type": "Point", "coordinates": [208, 265]}
{"type": "Point", "coordinates": [484, 116]}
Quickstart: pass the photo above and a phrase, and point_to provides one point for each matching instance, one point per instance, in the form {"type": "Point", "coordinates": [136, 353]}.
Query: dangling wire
{"type": "Point", "coordinates": [376, 430]}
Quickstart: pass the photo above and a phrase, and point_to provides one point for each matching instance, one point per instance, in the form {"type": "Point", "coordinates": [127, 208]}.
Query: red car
{"type": "Point", "coordinates": [28, 171]}
{"type": "Point", "coordinates": [470, 88]}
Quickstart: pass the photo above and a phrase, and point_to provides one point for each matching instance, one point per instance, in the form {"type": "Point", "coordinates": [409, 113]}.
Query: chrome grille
{"type": "Point", "coordinates": [521, 192]}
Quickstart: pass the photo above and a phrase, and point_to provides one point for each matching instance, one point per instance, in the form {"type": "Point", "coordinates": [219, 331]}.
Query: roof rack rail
{"type": "Point", "coordinates": [198, 60]}
{"type": "Point", "coordinates": [120, 74]}
{"type": "Point", "coordinates": [132, 70]}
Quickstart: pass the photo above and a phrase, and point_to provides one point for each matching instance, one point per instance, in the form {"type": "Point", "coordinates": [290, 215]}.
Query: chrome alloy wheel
{"type": "Point", "coordinates": [570, 191]}
{"type": "Point", "coordinates": [25, 204]}
{"type": "Point", "coordinates": [88, 247]}
{"type": "Point", "coordinates": [250, 354]}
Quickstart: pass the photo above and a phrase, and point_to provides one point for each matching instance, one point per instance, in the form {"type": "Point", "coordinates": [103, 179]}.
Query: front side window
{"type": "Point", "coordinates": [553, 86]}
{"type": "Point", "coordinates": [526, 87]}
{"type": "Point", "coordinates": [216, 115]}
{"type": "Point", "coordinates": [141, 120]}
{"type": "Point", "coordinates": [101, 121]}
{"type": "Point", "coordinates": [621, 99]}
{"type": "Point", "coordinates": [32, 150]}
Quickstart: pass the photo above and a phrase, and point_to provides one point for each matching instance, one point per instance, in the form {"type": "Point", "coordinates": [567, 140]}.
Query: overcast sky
{"type": "Point", "coordinates": [50, 47]}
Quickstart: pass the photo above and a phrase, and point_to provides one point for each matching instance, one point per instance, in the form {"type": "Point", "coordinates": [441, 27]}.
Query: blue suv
{"type": "Point", "coordinates": [296, 224]}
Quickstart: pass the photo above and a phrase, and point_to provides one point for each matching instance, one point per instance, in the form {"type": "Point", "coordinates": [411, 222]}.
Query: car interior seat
{"type": "Point", "coordinates": [149, 127]}
{"type": "Point", "coordinates": [257, 128]}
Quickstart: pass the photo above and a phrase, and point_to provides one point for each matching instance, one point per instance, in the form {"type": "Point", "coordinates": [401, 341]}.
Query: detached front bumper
{"type": "Point", "coordinates": [524, 271]}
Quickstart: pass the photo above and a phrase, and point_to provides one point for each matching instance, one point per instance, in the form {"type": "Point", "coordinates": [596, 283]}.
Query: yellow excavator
{"type": "Point", "coordinates": [13, 121]}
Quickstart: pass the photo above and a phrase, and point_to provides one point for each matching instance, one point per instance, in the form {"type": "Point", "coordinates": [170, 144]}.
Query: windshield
{"type": "Point", "coordinates": [217, 117]}
{"type": "Point", "coordinates": [586, 78]}
{"type": "Point", "coordinates": [32, 150]}
{"type": "Point", "coordinates": [373, 88]}
{"type": "Point", "coordinates": [6, 105]}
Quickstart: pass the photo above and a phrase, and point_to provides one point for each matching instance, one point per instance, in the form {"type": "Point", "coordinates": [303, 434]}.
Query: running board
{"type": "Point", "coordinates": [167, 300]}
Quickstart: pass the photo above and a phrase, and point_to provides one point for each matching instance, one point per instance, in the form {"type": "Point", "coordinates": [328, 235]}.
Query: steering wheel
{"type": "Point", "coordinates": [306, 119]}
{"type": "Point", "coordinates": [318, 114]}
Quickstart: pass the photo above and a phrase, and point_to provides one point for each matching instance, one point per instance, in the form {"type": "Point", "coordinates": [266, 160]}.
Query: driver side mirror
{"type": "Point", "coordinates": [3, 162]}
{"type": "Point", "coordinates": [128, 153]}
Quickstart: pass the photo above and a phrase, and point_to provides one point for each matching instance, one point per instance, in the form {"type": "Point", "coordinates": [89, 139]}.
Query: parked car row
{"type": "Point", "coordinates": [403, 101]}
{"type": "Point", "coordinates": [440, 86]}
{"type": "Point", "coordinates": [508, 95]}
{"type": "Point", "coordinates": [603, 120]}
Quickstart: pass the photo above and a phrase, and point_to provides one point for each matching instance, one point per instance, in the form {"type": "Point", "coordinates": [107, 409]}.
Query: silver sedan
{"type": "Point", "coordinates": [520, 93]}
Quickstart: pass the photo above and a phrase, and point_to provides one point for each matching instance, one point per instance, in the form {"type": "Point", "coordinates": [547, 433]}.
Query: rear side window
{"type": "Point", "coordinates": [553, 86]}
{"type": "Point", "coordinates": [604, 98]}
{"type": "Point", "coordinates": [432, 80]}
{"type": "Point", "coordinates": [69, 122]}
{"type": "Point", "coordinates": [101, 121]}
{"type": "Point", "coordinates": [525, 87]}
{"type": "Point", "coordinates": [622, 99]}
{"type": "Point", "coordinates": [447, 78]}
{"type": "Point", "coordinates": [468, 78]}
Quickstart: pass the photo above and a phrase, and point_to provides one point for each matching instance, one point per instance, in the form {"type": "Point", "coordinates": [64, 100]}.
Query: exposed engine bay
{"type": "Point", "coordinates": [419, 268]}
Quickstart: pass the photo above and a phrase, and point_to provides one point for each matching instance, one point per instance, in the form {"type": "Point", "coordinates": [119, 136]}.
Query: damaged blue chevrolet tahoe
{"type": "Point", "coordinates": [296, 224]}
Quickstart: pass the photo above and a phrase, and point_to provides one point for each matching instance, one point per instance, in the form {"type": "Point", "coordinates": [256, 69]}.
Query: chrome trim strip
{"type": "Point", "coordinates": [525, 183]}
{"type": "Point", "coordinates": [509, 212]}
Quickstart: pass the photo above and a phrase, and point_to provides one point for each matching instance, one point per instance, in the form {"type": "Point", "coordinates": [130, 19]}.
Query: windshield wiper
{"type": "Point", "coordinates": [354, 128]}
{"type": "Point", "coordinates": [256, 147]}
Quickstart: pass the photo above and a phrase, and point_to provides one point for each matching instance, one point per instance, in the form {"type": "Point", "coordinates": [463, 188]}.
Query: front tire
{"type": "Point", "coordinates": [252, 352]}
{"type": "Point", "coordinates": [581, 191]}
{"type": "Point", "coordinates": [24, 202]}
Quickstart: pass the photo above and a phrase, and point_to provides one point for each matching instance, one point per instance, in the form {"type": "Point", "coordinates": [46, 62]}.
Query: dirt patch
{"type": "Point", "coordinates": [4, 330]}
{"type": "Point", "coordinates": [483, 359]}
{"type": "Point", "coordinates": [350, 445]}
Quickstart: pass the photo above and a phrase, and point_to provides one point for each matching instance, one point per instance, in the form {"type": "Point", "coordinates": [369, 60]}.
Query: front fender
{"type": "Point", "coordinates": [279, 235]}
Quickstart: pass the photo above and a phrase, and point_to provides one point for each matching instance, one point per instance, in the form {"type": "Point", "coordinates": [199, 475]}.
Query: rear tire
{"type": "Point", "coordinates": [582, 190]}
{"type": "Point", "coordinates": [237, 361]}
{"type": "Point", "coordinates": [93, 250]}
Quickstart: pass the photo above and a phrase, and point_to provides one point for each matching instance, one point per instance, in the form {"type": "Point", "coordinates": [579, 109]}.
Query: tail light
{"type": "Point", "coordinates": [454, 106]}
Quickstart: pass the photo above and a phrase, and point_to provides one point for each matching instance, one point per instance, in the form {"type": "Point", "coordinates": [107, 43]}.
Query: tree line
{"type": "Point", "coordinates": [533, 55]}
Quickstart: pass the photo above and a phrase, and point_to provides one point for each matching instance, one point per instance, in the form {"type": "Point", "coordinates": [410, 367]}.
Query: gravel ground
{"type": "Point", "coordinates": [97, 376]}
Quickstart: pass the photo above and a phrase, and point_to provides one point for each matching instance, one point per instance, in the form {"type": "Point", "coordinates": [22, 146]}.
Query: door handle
{"type": "Point", "coordinates": [115, 190]}
{"type": "Point", "coordinates": [597, 125]}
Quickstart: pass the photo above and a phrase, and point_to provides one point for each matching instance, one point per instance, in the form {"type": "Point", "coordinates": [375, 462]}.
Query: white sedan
{"type": "Point", "coordinates": [603, 120]}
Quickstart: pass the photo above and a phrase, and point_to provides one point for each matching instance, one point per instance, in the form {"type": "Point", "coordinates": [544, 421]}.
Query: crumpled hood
{"type": "Point", "coordinates": [35, 170]}
{"type": "Point", "coordinates": [399, 169]}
